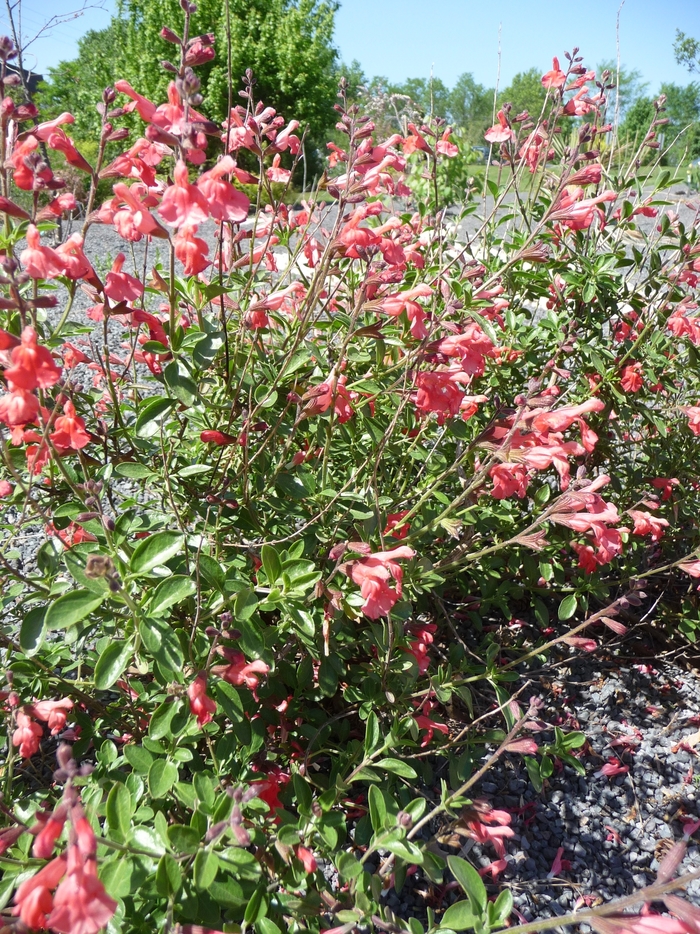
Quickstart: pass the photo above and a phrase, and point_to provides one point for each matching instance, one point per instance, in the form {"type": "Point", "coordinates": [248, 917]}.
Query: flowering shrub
{"type": "Point", "coordinates": [342, 470]}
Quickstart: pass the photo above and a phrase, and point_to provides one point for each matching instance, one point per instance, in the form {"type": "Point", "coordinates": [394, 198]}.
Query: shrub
{"type": "Point", "coordinates": [285, 524]}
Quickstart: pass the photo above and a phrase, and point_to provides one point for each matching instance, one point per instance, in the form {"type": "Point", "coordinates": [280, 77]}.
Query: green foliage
{"type": "Point", "coordinates": [687, 51]}
{"type": "Point", "coordinates": [525, 92]}
{"type": "Point", "coordinates": [471, 108]}
{"type": "Point", "coordinates": [287, 44]}
{"type": "Point", "coordinates": [286, 535]}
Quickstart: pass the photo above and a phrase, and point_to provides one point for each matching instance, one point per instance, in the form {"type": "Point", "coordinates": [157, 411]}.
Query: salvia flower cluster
{"type": "Point", "coordinates": [310, 480]}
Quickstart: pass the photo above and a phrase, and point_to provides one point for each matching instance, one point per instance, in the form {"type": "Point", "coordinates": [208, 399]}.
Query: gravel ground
{"type": "Point", "coordinates": [613, 830]}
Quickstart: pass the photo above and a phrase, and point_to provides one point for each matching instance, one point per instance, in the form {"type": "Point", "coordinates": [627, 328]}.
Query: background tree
{"type": "Point", "coordinates": [683, 112]}
{"type": "Point", "coordinates": [471, 107]}
{"type": "Point", "coordinates": [430, 95]}
{"type": "Point", "coordinates": [687, 51]}
{"type": "Point", "coordinates": [629, 87]}
{"type": "Point", "coordinates": [287, 43]}
{"type": "Point", "coordinates": [525, 92]}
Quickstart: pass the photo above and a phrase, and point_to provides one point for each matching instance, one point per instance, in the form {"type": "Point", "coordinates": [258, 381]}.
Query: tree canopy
{"type": "Point", "coordinates": [287, 43]}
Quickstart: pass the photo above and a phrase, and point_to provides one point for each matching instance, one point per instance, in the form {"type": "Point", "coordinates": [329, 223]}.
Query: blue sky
{"type": "Point", "coordinates": [412, 38]}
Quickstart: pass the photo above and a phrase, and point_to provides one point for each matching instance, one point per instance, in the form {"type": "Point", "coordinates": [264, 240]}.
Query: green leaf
{"type": "Point", "coordinates": [327, 678]}
{"type": "Point", "coordinates": [256, 907]}
{"type": "Point", "coordinates": [33, 630]}
{"type": "Point", "coordinates": [470, 881]}
{"type": "Point", "coordinates": [139, 759]}
{"type": "Point", "coordinates": [534, 772]}
{"type": "Point", "coordinates": [118, 810]}
{"type": "Point", "coordinates": [503, 905]}
{"type": "Point", "coordinates": [206, 349]}
{"type": "Point", "coordinates": [71, 608]}
{"type": "Point", "coordinates": [162, 718]}
{"type": "Point", "coordinates": [161, 641]}
{"type": "Point", "coordinates": [372, 733]}
{"type": "Point", "coordinates": [149, 418]}
{"type": "Point", "coordinates": [181, 386]}
{"type": "Point", "coordinates": [171, 591]}
{"type": "Point", "coordinates": [133, 470]}
{"type": "Point", "coordinates": [459, 917]}
{"type": "Point", "coordinates": [397, 767]}
{"type": "Point", "coordinates": [206, 866]}
{"type": "Point", "coordinates": [567, 607]}
{"type": "Point", "coordinates": [154, 551]}
{"type": "Point", "coordinates": [168, 876]}
{"type": "Point", "coordinates": [574, 740]}
{"type": "Point", "coordinates": [377, 808]}
{"type": "Point", "coordinates": [162, 775]}
{"type": "Point", "coordinates": [348, 867]}
{"type": "Point", "coordinates": [271, 563]}
{"type": "Point", "coordinates": [302, 793]}
{"type": "Point", "coordinates": [397, 844]}
{"type": "Point", "coordinates": [184, 839]}
{"type": "Point", "coordinates": [245, 605]}
{"type": "Point", "coordinates": [266, 926]}
{"type": "Point", "coordinates": [112, 663]}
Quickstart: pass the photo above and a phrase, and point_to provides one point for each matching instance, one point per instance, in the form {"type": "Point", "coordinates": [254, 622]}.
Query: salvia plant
{"type": "Point", "coordinates": [311, 487]}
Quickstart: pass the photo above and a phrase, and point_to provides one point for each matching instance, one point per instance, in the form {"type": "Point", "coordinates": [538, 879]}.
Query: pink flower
{"type": "Point", "coordinates": [631, 379]}
{"type": "Point", "coordinates": [32, 366]}
{"type": "Point", "coordinates": [226, 203]}
{"type": "Point", "coordinates": [578, 213]}
{"type": "Point", "coordinates": [393, 520]}
{"type": "Point", "coordinates": [445, 146]}
{"type": "Point", "coordinates": [693, 413]}
{"type": "Point", "coordinates": [201, 705]}
{"type": "Point", "coordinates": [524, 746]}
{"type": "Point", "coordinates": [33, 899]}
{"type": "Point", "coordinates": [217, 437]}
{"type": "Point", "coordinates": [276, 173]}
{"type": "Point", "coordinates": [183, 205]}
{"type": "Point", "coordinates": [54, 713]}
{"type": "Point", "coordinates": [238, 671]}
{"type": "Point", "coordinates": [612, 768]}
{"type": "Point", "coordinates": [393, 305]}
{"type": "Point", "coordinates": [478, 821]}
{"type": "Point", "coordinates": [191, 251]}
{"type": "Point", "coordinates": [27, 734]}
{"type": "Point", "coordinates": [318, 399]}
{"type": "Point", "coordinates": [80, 904]}
{"type": "Point", "coordinates": [509, 480]}
{"type": "Point", "coordinates": [554, 78]}
{"type": "Point", "coordinates": [40, 262]}
{"type": "Point", "coordinates": [69, 433]}
{"type": "Point", "coordinates": [76, 265]}
{"type": "Point", "coordinates": [581, 642]}
{"type": "Point", "coordinates": [647, 524]}
{"type": "Point", "coordinates": [559, 864]}
{"type": "Point", "coordinates": [18, 407]}
{"type": "Point", "coordinates": [45, 840]}
{"type": "Point", "coordinates": [563, 418]}
{"type": "Point", "coordinates": [307, 859]}
{"type": "Point", "coordinates": [500, 132]}
{"type": "Point", "coordinates": [372, 574]}
{"type": "Point", "coordinates": [120, 286]}
{"type": "Point", "coordinates": [145, 108]}
{"type": "Point", "coordinates": [131, 217]}
{"type": "Point", "coordinates": [691, 567]}
{"type": "Point", "coordinates": [6, 489]}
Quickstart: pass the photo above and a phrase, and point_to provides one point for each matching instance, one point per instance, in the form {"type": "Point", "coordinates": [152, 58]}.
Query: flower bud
{"type": "Point", "coordinates": [170, 36]}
